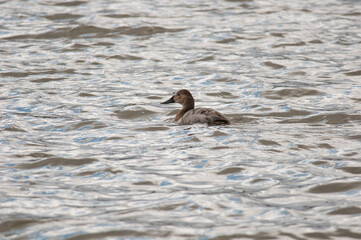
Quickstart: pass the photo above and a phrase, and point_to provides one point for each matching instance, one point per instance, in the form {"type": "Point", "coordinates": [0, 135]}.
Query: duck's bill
{"type": "Point", "coordinates": [170, 100]}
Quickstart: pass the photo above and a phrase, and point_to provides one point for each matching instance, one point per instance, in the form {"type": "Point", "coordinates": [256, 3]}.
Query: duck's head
{"type": "Point", "coordinates": [183, 97]}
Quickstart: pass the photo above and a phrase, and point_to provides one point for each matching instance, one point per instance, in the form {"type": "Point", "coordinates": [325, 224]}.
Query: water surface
{"type": "Point", "coordinates": [88, 152]}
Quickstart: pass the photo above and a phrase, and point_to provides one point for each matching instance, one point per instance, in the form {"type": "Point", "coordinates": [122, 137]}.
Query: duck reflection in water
{"type": "Point", "coordinates": [190, 115]}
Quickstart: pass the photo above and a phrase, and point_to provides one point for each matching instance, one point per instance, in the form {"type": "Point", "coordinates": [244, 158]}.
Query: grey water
{"type": "Point", "coordinates": [88, 152]}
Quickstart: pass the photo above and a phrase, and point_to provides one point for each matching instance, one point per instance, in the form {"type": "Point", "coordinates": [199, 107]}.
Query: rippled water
{"type": "Point", "coordinates": [87, 151]}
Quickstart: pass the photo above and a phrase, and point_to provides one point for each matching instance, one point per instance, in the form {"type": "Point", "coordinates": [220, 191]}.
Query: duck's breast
{"type": "Point", "coordinates": [203, 115]}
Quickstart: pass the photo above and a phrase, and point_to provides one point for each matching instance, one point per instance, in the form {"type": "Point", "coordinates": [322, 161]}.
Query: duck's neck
{"type": "Point", "coordinates": [188, 105]}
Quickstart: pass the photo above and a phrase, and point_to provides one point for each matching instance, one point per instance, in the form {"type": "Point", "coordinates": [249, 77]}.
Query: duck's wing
{"type": "Point", "coordinates": [204, 115]}
{"type": "Point", "coordinates": [217, 117]}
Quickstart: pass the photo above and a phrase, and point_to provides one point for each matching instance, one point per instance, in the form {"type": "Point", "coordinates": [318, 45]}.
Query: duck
{"type": "Point", "coordinates": [190, 115]}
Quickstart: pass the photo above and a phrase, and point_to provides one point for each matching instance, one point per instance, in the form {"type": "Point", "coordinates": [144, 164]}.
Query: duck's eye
{"type": "Point", "coordinates": [178, 94]}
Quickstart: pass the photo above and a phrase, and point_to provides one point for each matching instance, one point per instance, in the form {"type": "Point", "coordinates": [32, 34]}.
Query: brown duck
{"type": "Point", "coordinates": [190, 115]}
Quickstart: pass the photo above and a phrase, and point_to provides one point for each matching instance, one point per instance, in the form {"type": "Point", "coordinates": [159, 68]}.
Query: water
{"type": "Point", "coordinates": [88, 152]}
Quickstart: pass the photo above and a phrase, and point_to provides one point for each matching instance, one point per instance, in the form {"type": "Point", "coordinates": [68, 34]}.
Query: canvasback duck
{"type": "Point", "coordinates": [190, 115]}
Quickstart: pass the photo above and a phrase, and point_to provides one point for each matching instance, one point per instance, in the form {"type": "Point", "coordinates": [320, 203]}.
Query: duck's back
{"type": "Point", "coordinates": [204, 115]}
